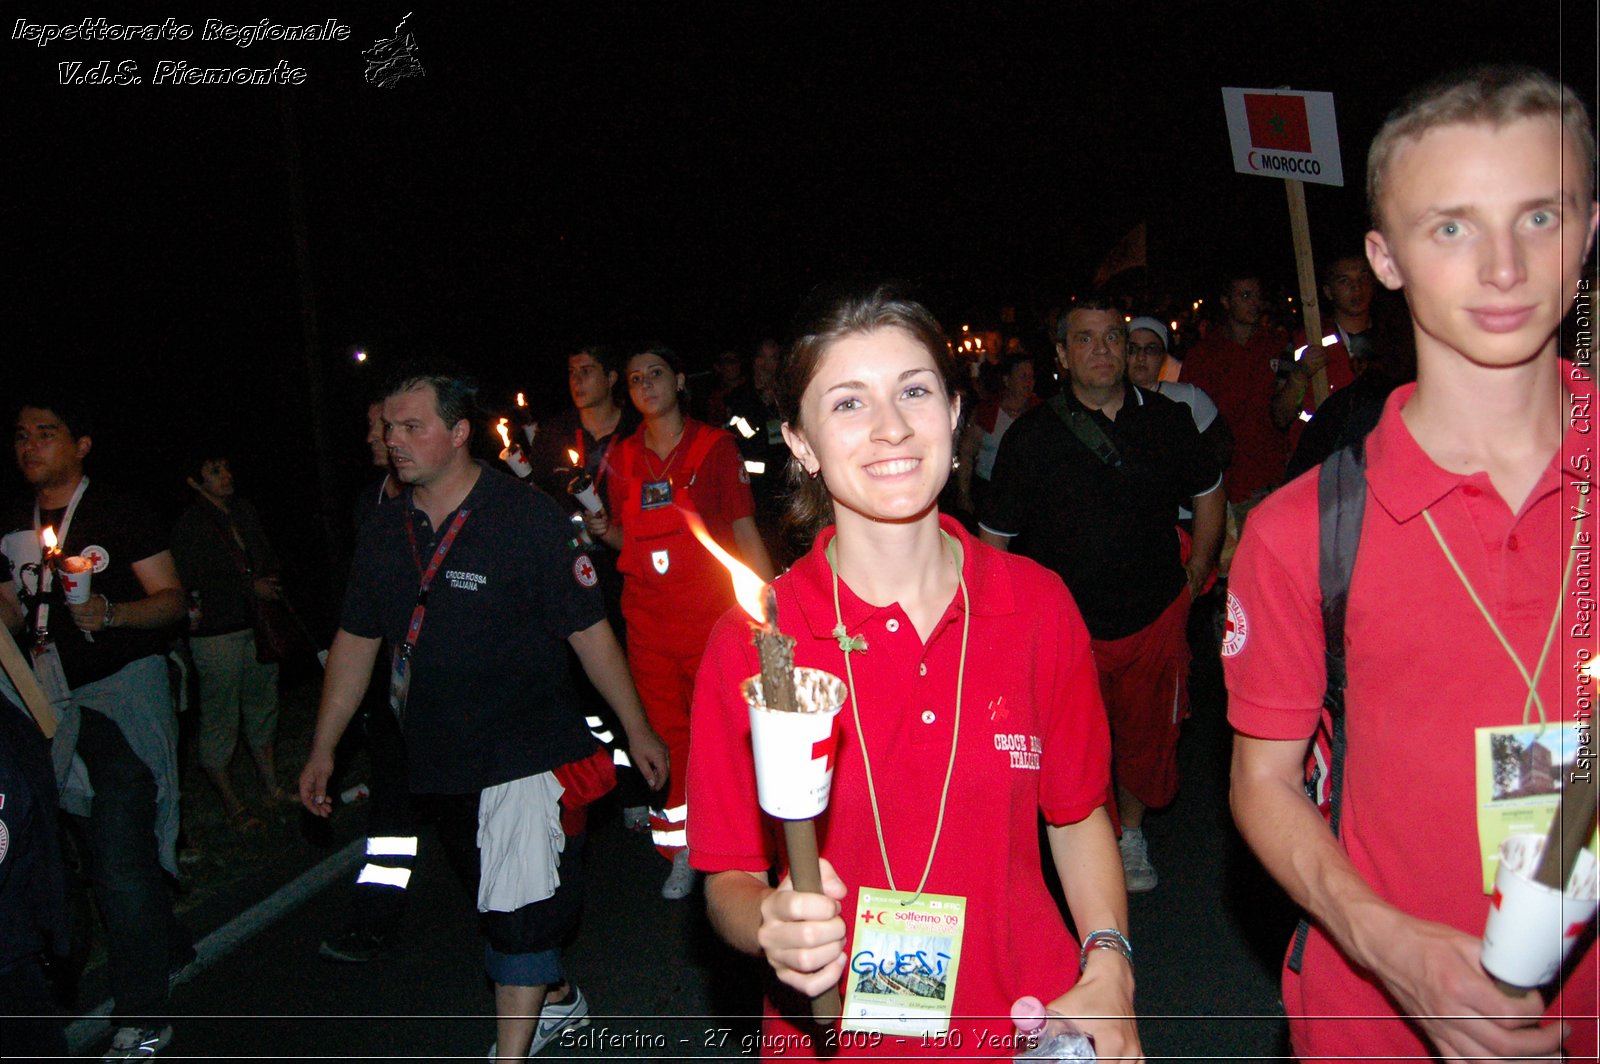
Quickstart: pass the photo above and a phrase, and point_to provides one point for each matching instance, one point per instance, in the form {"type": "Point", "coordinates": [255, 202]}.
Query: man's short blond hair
{"type": "Point", "coordinates": [1486, 94]}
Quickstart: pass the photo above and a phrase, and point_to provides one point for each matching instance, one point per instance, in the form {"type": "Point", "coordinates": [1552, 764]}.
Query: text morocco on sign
{"type": "Point", "coordinates": [1281, 133]}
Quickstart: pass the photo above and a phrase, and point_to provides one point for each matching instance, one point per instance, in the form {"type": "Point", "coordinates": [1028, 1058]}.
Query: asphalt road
{"type": "Point", "coordinates": [663, 987]}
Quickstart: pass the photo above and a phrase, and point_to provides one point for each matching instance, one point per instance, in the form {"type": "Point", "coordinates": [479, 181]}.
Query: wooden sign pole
{"type": "Point", "coordinates": [1306, 267]}
{"type": "Point", "coordinates": [26, 683]}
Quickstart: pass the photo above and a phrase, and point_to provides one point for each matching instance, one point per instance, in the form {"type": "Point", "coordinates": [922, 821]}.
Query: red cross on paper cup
{"type": "Point", "coordinates": [795, 752]}
{"type": "Point", "coordinates": [1531, 927]}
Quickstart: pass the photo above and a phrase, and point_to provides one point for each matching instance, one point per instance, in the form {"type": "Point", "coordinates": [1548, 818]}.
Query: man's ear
{"type": "Point", "coordinates": [1383, 265]}
{"type": "Point", "coordinates": [1061, 355]}
{"type": "Point", "coordinates": [800, 449]}
{"type": "Point", "coordinates": [84, 444]}
{"type": "Point", "coordinates": [461, 434]}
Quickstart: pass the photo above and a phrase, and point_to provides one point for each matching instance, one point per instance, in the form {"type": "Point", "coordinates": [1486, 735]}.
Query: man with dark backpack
{"type": "Point", "coordinates": [1088, 485]}
{"type": "Point", "coordinates": [1463, 515]}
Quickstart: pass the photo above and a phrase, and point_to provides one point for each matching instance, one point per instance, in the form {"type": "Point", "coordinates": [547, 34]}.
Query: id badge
{"type": "Point", "coordinates": [654, 494]}
{"type": "Point", "coordinates": [903, 960]}
{"type": "Point", "coordinates": [1520, 769]}
{"type": "Point", "coordinates": [399, 679]}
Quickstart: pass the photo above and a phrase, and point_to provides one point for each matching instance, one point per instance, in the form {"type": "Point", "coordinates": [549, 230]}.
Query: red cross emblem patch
{"type": "Point", "coordinates": [583, 569]}
{"type": "Point", "coordinates": [1234, 627]}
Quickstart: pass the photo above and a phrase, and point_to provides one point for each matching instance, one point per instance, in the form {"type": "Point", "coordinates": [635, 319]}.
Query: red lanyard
{"type": "Point", "coordinates": [414, 629]}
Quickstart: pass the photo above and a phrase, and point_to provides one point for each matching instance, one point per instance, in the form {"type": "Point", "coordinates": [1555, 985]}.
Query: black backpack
{"type": "Point", "coordinates": [1341, 502]}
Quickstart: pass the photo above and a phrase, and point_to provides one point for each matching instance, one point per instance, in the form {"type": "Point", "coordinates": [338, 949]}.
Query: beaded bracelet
{"type": "Point", "coordinates": [1106, 938]}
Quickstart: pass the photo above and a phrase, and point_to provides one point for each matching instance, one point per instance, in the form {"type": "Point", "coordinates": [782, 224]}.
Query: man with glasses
{"type": "Point", "coordinates": [1088, 485]}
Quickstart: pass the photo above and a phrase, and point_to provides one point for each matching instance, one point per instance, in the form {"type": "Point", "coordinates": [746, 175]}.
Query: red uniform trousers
{"type": "Point", "coordinates": [1144, 680]}
{"type": "Point", "coordinates": [666, 686]}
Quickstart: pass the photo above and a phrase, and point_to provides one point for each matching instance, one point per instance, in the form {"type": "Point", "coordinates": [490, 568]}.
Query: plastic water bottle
{"type": "Point", "coordinates": [1067, 1043]}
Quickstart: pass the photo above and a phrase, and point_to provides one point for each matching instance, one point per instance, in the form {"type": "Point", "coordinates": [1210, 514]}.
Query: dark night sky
{"type": "Point", "coordinates": [678, 171]}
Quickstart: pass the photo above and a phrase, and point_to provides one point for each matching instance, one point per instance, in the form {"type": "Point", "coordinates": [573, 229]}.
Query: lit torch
{"type": "Point", "coordinates": [73, 574]}
{"type": "Point", "coordinates": [792, 732]}
{"type": "Point", "coordinates": [582, 486]}
{"type": "Point", "coordinates": [530, 427]}
{"type": "Point", "coordinates": [512, 456]}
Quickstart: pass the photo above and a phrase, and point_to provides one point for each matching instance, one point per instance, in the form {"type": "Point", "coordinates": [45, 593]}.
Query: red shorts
{"type": "Point", "coordinates": [1144, 679]}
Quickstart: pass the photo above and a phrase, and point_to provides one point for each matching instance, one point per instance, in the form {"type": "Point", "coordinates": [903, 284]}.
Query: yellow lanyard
{"type": "Point", "coordinates": [1555, 621]}
{"type": "Point", "coordinates": [955, 735]}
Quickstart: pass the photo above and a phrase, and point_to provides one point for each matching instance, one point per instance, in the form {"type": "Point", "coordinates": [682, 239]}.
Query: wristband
{"type": "Point", "coordinates": [1106, 938]}
{"type": "Point", "coordinates": [110, 617]}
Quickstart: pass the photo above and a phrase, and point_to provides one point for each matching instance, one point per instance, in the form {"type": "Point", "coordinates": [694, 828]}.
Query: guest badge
{"type": "Point", "coordinates": [904, 952]}
{"type": "Point", "coordinates": [1521, 768]}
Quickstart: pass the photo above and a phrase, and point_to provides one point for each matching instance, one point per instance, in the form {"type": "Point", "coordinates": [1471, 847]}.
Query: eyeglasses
{"type": "Point", "coordinates": [1154, 350]}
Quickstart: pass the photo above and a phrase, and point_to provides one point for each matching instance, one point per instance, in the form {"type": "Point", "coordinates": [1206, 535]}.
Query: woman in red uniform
{"type": "Point", "coordinates": [673, 590]}
{"type": "Point", "coordinates": [973, 706]}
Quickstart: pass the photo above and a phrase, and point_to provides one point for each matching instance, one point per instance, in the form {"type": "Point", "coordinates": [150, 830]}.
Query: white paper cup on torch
{"type": "Point", "coordinates": [795, 752]}
{"type": "Point", "coordinates": [582, 489]}
{"type": "Point", "coordinates": [75, 574]}
{"type": "Point", "coordinates": [1531, 927]}
{"type": "Point", "coordinates": [513, 457]}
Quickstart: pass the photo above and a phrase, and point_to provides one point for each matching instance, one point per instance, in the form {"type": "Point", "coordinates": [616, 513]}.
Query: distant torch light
{"type": "Point", "coordinates": [1305, 415]}
{"type": "Point", "coordinates": [737, 421]}
{"type": "Point", "coordinates": [360, 356]}
{"type": "Point", "coordinates": [753, 466]}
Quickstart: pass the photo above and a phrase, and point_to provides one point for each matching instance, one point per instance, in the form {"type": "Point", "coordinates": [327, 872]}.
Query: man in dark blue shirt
{"type": "Point", "coordinates": [473, 580]}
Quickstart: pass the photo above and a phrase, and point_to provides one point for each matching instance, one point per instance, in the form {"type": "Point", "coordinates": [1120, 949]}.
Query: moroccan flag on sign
{"type": "Point", "coordinates": [1277, 123]}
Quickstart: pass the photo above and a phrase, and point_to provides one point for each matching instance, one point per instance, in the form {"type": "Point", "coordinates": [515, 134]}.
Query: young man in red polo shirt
{"type": "Point", "coordinates": [1482, 194]}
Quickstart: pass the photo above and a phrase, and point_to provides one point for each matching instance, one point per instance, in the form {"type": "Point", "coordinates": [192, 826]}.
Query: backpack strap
{"type": "Point", "coordinates": [1090, 434]}
{"type": "Point", "coordinates": [1341, 504]}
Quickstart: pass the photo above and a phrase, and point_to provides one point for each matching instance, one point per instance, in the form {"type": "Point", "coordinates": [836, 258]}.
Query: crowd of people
{"type": "Point", "coordinates": [1001, 580]}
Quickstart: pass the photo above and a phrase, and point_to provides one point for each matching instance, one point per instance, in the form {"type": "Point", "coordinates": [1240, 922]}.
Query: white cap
{"type": "Point", "coordinates": [1154, 325]}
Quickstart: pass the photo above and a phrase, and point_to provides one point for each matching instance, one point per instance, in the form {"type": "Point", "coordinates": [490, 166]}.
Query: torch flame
{"type": "Point", "coordinates": [572, 455]}
{"type": "Point", "coordinates": [505, 436]}
{"type": "Point", "coordinates": [49, 538]}
{"type": "Point", "coordinates": [747, 586]}
{"type": "Point", "coordinates": [1592, 669]}
{"type": "Point", "coordinates": [522, 400]}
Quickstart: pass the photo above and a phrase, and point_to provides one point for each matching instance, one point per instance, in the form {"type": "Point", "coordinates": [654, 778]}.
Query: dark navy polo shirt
{"type": "Point", "coordinates": [1109, 532]}
{"type": "Point", "coordinates": [490, 698]}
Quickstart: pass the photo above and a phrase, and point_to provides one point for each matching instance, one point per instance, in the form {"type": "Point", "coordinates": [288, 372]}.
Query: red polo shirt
{"type": "Point", "coordinates": [1424, 672]}
{"type": "Point", "coordinates": [1030, 684]}
{"type": "Point", "coordinates": [1240, 380]}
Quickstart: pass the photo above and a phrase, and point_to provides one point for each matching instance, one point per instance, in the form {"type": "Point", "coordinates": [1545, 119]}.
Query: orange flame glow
{"type": "Point", "coordinates": [748, 588]}
{"type": "Point", "coordinates": [49, 538]}
{"type": "Point", "coordinates": [522, 400]}
{"type": "Point", "coordinates": [505, 436]}
{"type": "Point", "coordinates": [572, 455]}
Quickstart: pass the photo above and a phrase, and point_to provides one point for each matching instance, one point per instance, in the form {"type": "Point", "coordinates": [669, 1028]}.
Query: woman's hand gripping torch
{"type": "Point", "coordinates": [792, 733]}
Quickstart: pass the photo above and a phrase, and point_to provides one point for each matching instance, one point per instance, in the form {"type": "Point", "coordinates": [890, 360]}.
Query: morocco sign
{"type": "Point", "coordinates": [1279, 133]}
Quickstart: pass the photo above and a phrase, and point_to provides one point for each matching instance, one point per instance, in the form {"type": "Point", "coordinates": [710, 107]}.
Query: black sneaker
{"type": "Point", "coordinates": [356, 946]}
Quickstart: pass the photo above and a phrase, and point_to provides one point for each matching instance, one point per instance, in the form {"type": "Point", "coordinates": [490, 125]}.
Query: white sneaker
{"type": "Point", "coordinates": [680, 881]}
{"type": "Point", "coordinates": [553, 1019]}
{"type": "Point", "coordinates": [138, 1043]}
{"type": "Point", "coordinates": [1137, 870]}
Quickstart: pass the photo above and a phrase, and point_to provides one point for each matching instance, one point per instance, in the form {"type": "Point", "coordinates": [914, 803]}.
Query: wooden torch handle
{"type": "Point", "coordinates": [805, 872]}
{"type": "Point", "coordinates": [27, 685]}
